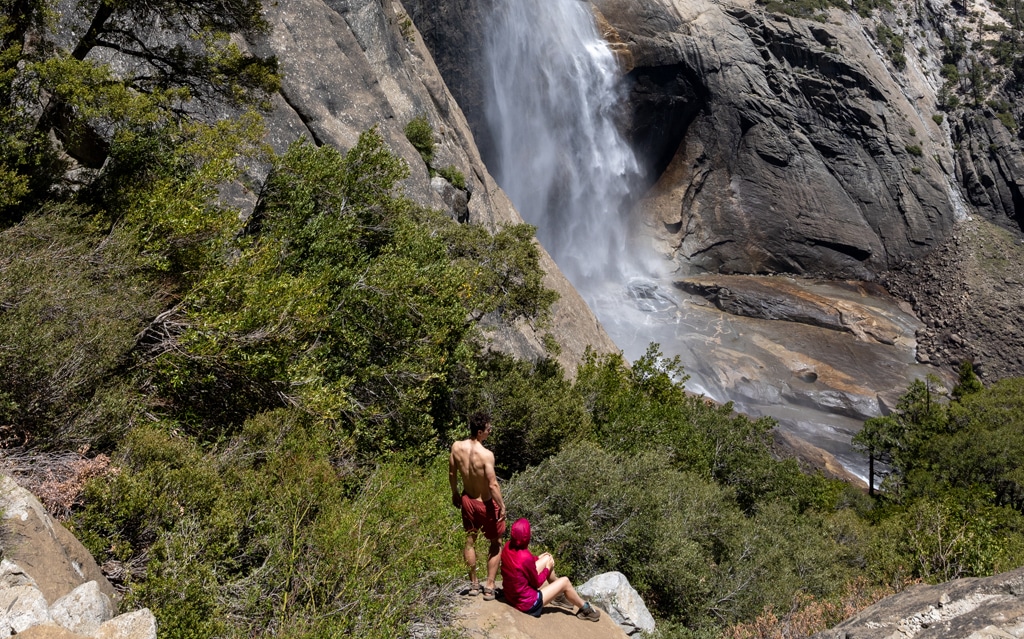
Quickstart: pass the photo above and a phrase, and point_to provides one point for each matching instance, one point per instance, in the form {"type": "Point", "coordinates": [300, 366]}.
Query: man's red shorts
{"type": "Point", "coordinates": [482, 515]}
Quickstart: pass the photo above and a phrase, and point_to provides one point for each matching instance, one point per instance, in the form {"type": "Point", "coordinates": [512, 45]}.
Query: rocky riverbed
{"type": "Point", "coordinates": [819, 356]}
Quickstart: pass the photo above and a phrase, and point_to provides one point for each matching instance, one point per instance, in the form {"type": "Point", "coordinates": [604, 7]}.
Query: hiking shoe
{"type": "Point", "coordinates": [588, 613]}
{"type": "Point", "coordinates": [561, 601]}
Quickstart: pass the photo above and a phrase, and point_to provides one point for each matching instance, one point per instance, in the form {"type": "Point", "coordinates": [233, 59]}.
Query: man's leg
{"type": "Point", "coordinates": [469, 554]}
{"type": "Point", "coordinates": [493, 559]}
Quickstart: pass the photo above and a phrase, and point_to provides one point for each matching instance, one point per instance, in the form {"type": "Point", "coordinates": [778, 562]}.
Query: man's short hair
{"type": "Point", "coordinates": [478, 421]}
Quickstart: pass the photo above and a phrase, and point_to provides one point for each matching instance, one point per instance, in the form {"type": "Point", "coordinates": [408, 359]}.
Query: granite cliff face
{"type": "Point", "coordinates": [775, 144]}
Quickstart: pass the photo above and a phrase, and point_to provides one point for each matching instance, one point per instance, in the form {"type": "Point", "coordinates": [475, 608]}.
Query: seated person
{"type": "Point", "coordinates": [529, 582]}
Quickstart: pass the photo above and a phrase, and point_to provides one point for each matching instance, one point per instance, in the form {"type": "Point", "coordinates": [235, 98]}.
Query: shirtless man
{"type": "Point", "coordinates": [480, 500]}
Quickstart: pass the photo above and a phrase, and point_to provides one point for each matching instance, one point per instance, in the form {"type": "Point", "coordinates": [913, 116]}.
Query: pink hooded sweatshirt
{"type": "Point", "coordinates": [519, 576]}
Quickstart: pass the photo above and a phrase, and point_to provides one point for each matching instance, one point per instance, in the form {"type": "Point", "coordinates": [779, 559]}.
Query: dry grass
{"type": "Point", "coordinates": [809, 615]}
{"type": "Point", "coordinates": [56, 479]}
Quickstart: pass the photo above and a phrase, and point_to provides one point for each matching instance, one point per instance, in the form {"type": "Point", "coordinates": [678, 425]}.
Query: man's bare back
{"type": "Point", "coordinates": [476, 466]}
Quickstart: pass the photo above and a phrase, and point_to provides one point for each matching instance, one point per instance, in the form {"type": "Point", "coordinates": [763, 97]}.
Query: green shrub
{"type": "Point", "coordinates": [683, 541]}
{"type": "Point", "coordinates": [359, 317]}
{"type": "Point", "coordinates": [74, 302]}
{"type": "Point", "coordinates": [276, 533]}
{"type": "Point", "coordinates": [419, 132]}
{"type": "Point", "coordinates": [914, 149]}
{"type": "Point", "coordinates": [454, 176]}
{"type": "Point", "coordinates": [938, 118]}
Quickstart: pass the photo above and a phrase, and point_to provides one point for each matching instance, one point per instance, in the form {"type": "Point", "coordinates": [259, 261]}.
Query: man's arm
{"type": "Point", "coordinates": [453, 479]}
{"type": "Point", "coordinates": [492, 483]}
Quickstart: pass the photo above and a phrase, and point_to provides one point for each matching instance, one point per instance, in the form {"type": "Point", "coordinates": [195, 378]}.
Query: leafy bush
{"type": "Point", "coordinates": [683, 541]}
{"type": "Point", "coordinates": [419, 132]}
{"type": "Point", "coordinates": [347, 300]}
{"type": "Point", "coordinates": [454, 176]}
{"type": "Point", "coordinates": [914, 149]}
{"type": "Point", "coordinates": [275, 532]}
{"type": "Point", "coordinates": [73, 302]}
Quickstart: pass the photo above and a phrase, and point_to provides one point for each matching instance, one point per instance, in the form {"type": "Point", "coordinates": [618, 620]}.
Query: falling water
{"type": "Point", "coordinates": [551, 104]}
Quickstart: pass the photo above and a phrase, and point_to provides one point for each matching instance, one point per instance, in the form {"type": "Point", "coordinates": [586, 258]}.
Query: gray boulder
{"type": "Point", "coordinates": [83, 609]}
{"type": "Point", "coordinates": [987, 607]}
{"type": "Point", "coordinates": [611, 592]}
{"type": "Point", "coordinates": [21, 607]}
{"type": "Point", "coordinates": [45, 550]}
{"type": "Point", "coordinates": [140, 624]}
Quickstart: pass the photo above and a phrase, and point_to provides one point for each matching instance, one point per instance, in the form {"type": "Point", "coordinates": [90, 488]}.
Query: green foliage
{"type": "Point", "coordinates": [72, 303]}
{"type": "Point", "coordinates": [347, 300]}
{"type": "Point", "coordinates": [421, 135]}
{"type": "Point", "coordinates": [645, 407]}
{"type": "Point", "coordinates": [274, 533]}
{"type": "Point", "coordinates": [180, 56]}
{"type": "Point", "coordinates": [914, 149]}
{"type": "Point", "coordinates": [454, 176]}
{"type": "Point", "coordinates": [893, 44]}
{"type": "Point", "coordinates": [534, 408]}
{"type": "Point", "coordinates": [953, 506]}
{"type": "Point", "coordinates": [683, 541]}
{"type": "Point", "coordinates": [865, 8]}
{"type": "Point", "coordinates": [938, 118]}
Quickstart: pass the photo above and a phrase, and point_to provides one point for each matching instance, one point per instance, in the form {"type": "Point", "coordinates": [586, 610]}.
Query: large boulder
{"type": "Point", "coordinates": [977, 608]}
{"type": "Point", "coordinates": [56, 561]}
{"type": "Point", "coordinates": [611, 592]}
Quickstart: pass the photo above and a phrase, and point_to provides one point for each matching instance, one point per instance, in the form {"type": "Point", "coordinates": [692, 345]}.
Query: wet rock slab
{"type": "Point", "coordinates": [819, 356]}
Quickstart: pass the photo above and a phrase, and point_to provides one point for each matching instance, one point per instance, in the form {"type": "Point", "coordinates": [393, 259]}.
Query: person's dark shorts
{"type": "Point", "coordinates": [482, 515]}
{"type": "Point", "coordinates": [537, 607]}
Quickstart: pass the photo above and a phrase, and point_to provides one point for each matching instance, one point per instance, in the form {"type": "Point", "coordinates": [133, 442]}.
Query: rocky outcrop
{"type": "Point", "coordinates": [481, 619]}
{"type": "Point", "coordinates": [57, 562]}
{"type": "Point", "coordinates": [774, 298]}
{"type": "Point", "coordinates": [973, 608]}
{"type": "Point", "coordinates": [970, 295]}
{"type": "Point", "coordinates": [348, 65]}
{"type": "Point", "coordinates": [50, 586]}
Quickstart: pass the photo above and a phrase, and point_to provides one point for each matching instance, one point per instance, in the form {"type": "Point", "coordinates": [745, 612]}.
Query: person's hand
{"type": "Point", "coordinates": [456, 500]}
{"type": "Point", "coordinates": [501, 514]}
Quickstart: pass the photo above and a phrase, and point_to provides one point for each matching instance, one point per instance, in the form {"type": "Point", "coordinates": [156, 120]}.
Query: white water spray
{"type": "Point", "coordinates": [554, 89]}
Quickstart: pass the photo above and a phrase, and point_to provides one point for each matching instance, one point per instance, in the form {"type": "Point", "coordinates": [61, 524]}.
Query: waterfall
{"type": "Point", "coordinates": [552, 94]}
